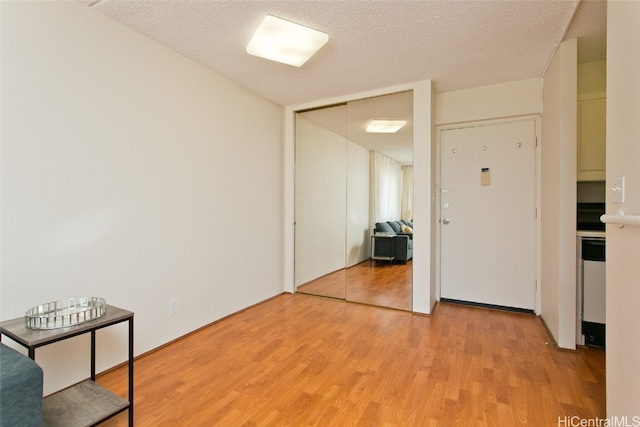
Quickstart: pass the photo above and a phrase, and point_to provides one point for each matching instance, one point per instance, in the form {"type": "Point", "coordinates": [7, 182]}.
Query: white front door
{"type": "Point", "coordinates": [487, 214]}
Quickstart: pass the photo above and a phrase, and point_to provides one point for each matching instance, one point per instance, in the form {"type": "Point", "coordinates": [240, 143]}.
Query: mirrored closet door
{"type": "Point", "coordinates": [349, 179]}
{"type": "Point", "coordinates": [321, 201]}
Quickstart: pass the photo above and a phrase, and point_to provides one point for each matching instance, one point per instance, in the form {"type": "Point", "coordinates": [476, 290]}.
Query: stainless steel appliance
{"type": "Point", "coordinates": [593, 291]}
{"type": "Point", "coordinates": [591, 267]}
{"type": "Point", "coordinates": [588, 216]}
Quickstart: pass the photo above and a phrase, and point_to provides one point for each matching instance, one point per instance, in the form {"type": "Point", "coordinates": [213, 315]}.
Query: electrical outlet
{"type": "Point", "coordinates": [173, 306]}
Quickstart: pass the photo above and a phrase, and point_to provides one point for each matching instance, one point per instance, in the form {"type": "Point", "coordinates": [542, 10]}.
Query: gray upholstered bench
{"type": "Point", "coordinates": [20, 389]}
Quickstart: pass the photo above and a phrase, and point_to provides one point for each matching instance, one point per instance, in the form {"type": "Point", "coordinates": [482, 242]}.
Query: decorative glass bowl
{"type": "Point", "coordinates": [65, 313]}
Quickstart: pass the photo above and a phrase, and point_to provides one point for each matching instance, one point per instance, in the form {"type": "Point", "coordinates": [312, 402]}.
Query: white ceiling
{"type": "Point", "coordinates": [458, 44]}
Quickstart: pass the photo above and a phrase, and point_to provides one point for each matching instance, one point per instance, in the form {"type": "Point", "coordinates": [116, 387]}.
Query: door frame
{"type": "Point", "coordinates": [537, 184]}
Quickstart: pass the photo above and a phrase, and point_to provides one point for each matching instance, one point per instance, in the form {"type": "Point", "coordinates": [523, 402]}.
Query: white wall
{"type": "Point", "coordinates": [332, 201]}
{"type": "Point", "coordinates": [558, 194]}
{"type": "Point", "coordinates": [623, 245]}
{"type": "Point", "coordinates": [592, 77]}
{"type": "Point", "coordinates": [424, 187]}
{"type": "Point", "coordinates": [434, 177]}
{"type": "Point", "coordinates": [358, 231]}
{"type": "Point", "coordinates": [510, 99]}
{"type": "Point", "coordinates": [321, 200]}
{"type": "Point", "coordinates": [130, 173]}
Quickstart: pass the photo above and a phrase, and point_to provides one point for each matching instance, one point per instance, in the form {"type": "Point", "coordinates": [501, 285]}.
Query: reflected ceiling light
{"type": "Point", "coordinates": [385, 126]}
{"type": "Point", "coordinates": [285, 41]}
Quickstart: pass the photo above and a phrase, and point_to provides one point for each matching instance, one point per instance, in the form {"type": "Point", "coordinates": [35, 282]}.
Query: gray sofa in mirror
{"type": "Point", "coordinates": [21, 383]}
{"type": "Point", "coordinates": [393, 241]}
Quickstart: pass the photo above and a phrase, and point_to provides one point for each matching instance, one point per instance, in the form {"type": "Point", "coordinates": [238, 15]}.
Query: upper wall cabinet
{"type": "Point", "coordinates": [592, 133]}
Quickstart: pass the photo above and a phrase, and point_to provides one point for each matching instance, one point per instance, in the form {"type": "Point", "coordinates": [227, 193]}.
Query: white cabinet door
{"type": "Point", "coordinates": [592, 133]}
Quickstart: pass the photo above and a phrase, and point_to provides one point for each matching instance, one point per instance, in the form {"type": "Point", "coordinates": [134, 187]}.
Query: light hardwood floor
{"type": "Point", "coordinates": [369, 282]}
{"type": "Point", "coordinates": [299, 360]}
{"type": "Point", "coordinates": [332, 285]}
{"type": "Point", "coordinates": [378, 283]}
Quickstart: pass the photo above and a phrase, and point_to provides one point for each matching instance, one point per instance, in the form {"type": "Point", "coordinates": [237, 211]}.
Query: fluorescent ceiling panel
{"type": "Point", "coordinates": [385, 126]}
{"type": "Point", "coordinates": [285, 41]}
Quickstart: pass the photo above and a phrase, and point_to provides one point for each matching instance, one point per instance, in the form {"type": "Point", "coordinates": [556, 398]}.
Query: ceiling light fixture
{"type": "Point", "coordinates": [385, 126]}
{"type": "Point", "coordinates": [285, 41]}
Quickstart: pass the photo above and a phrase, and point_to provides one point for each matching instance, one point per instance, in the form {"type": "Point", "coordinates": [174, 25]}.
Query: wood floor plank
{"type": "Point", "coordinates": [298, 360]}
{"type": "Point", "coordinates": [369, 282]}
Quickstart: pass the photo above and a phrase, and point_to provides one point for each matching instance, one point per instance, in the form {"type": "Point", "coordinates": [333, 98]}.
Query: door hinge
{"type": "Point", "coordinates": [536, 146]}
{"type": "Point", "coordinates": [535, 284]}
{"type": "Point", "coordinates": [535, 213]}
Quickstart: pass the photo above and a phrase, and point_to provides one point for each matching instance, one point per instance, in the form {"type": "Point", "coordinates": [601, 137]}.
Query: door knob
{"type": "Point", "coordinates": [445, 221]}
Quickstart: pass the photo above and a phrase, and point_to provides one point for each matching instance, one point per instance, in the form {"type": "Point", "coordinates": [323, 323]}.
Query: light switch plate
{"type": "Point", "coordinates": [485, 178]}
{"type": "Point", "coordinates": [617, 190]}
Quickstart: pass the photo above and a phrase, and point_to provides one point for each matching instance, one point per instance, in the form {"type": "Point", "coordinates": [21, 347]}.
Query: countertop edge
{"type": "Point", "coordinates": [590, 233]}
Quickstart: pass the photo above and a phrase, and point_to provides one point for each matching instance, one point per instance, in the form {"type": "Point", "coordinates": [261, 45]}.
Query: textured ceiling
{"type": "Point", "coordinates": [589, 26]}
{"type": "Point", "coordinates": [372, 44]}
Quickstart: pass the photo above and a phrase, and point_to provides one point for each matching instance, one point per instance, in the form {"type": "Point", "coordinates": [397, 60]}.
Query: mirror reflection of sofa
{"type": "Point", "coordinates": [400, 246]}
{"type": "Point", "coordinates": [21, 383]}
